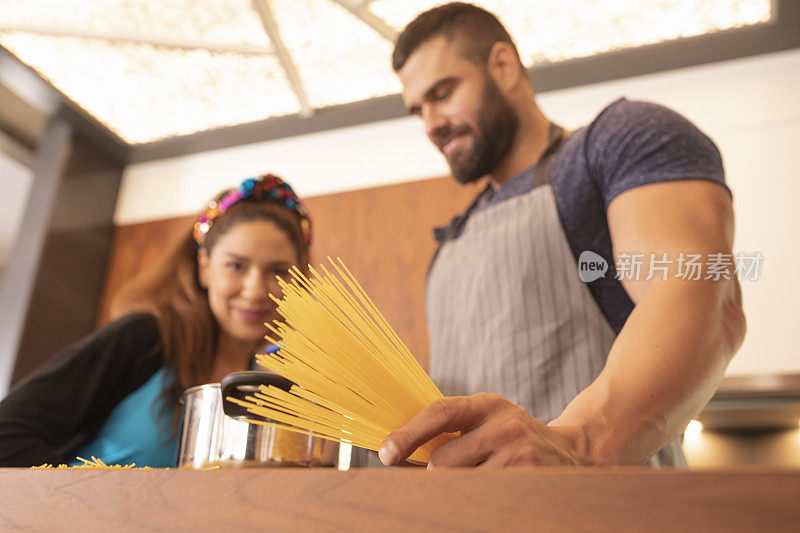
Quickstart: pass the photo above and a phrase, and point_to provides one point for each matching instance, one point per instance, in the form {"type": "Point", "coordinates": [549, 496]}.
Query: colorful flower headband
{"type": "Point", "coordinates": [267, 187]}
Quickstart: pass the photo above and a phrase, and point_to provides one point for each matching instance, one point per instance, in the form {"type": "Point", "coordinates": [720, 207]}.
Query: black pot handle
{"type": "Point", "coordinates": [240, 384]}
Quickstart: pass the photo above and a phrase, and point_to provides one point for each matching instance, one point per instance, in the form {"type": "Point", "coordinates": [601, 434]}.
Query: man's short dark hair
{"type": "Point", "coordinates": [473, 28]}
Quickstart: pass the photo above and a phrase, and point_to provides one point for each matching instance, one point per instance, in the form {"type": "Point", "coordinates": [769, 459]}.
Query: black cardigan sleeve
{"type": "Point", "coordinates": [63, 404]}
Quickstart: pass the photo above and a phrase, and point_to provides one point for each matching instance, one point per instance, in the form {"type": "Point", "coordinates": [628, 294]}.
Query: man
{"type": "Point", "coordinates": [606, 371]}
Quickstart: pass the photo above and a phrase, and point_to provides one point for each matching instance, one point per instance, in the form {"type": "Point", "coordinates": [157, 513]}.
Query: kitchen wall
{"type": "Point", "coordinates": [15, 180]}
{"type": "Point", "coordinates": [15, 185]}
{"type": "Point", "coordinates": [749, 106]}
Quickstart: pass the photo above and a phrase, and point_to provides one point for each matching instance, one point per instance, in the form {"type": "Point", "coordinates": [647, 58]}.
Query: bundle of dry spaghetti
{"type": "Point", "coordinates": [355, 380]}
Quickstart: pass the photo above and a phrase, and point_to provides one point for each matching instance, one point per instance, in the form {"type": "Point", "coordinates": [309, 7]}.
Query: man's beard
{"type": "Point", "coordinates": [497, 128]}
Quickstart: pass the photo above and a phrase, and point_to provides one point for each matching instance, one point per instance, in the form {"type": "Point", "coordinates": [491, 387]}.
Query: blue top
{"type": "Point", "coordinates": [135, 430]}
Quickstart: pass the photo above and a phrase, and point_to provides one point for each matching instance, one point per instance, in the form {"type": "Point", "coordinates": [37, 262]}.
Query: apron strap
{"type": "Point", "coordinates": [542, 172]}
{"type": "Point", "coordinates": [449, 232]}
{"type": "Point", "coordinates": [542, 175]}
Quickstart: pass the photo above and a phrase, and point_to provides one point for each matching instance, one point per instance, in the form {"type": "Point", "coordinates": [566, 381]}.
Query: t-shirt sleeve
{"type": "Point", "coordinates": [62, 404]}
{"type": "Point", "coordinates": [637, 143]}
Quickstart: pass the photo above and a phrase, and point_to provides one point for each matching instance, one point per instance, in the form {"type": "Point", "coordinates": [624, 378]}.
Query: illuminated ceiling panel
{"type": "Point", "coordinates": [209, 20]}
{"type": "Point", "coordinates": [340, 58]}
{"type": "Point", "coordinates": [146, 93]}
{"type": "Point", "coordinates": [152, 70]}
{"type": "Point", "coordinates": [549, 31]}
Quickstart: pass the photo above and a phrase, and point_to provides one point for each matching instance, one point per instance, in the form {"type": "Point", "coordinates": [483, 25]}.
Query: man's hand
{"type": "Point", "coordinates": [493, 432]}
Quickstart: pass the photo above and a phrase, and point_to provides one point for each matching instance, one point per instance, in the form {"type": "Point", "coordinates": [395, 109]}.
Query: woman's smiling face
{"type": "Point", "coordinates": [240, 272]}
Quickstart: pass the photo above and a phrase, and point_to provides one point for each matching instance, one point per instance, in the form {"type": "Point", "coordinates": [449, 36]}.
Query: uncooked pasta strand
{"type": "Point", "coordinates": [409, 360]}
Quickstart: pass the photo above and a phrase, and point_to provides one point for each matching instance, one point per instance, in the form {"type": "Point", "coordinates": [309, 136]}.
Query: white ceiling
{"type": "Point", "coordinates": [153, 70]}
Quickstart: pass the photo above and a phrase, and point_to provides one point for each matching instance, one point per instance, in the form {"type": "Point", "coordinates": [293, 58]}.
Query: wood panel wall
{"type": "Point", "coordinates": [383, 234]}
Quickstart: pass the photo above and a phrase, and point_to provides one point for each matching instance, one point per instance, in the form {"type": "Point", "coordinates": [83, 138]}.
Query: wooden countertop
{"type": "Point", "coordinates": [401, 499]}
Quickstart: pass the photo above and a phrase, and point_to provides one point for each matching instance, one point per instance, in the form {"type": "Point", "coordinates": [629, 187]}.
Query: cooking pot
{"type": "Point", "coordinates": [213, 432]}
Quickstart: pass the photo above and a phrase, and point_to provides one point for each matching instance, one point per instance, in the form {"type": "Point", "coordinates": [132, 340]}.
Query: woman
{"type": "Point", "coordinates": [195, 316]}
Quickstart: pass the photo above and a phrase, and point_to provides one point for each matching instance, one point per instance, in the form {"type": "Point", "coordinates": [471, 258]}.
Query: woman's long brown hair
{"type": "Point", "coordinates": [170, 291]}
